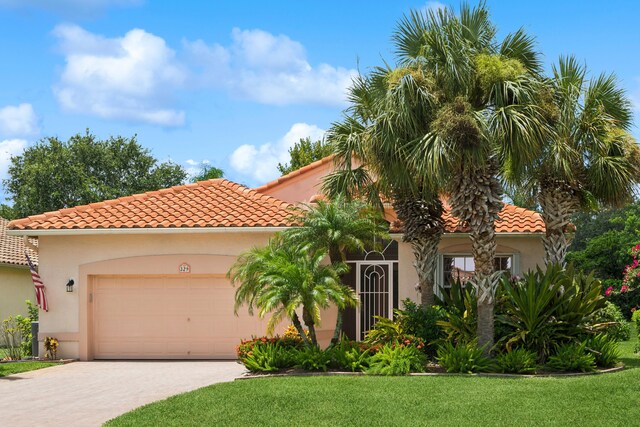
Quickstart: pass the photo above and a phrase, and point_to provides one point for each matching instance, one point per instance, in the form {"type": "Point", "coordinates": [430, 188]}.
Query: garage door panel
{"type": "Point", "coordinates": [171, 317]}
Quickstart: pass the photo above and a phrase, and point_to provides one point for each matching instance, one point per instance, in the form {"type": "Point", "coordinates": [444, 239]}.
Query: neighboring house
{"type": "Point", "coordinates": [15, 279]}
{"type": "Point", "coordinates": [150, 269]}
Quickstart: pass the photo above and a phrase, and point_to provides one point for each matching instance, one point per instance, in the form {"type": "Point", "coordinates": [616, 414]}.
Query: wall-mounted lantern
{"type": "Point", "coordinates": [70, 284]}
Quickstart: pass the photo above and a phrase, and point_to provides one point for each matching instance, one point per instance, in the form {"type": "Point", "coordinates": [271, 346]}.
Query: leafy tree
{"type": "Point", "coordinates": [303, 153]}
{"type": "Point", "coordinates": [208, 172]}
{"type": "Point", "coordinates": [477, 100]}
{"type": "Point", "coordinates": [283, 277]}
{"type": "Point", "coordinates": [589, 158]}
{"type": "Point", "coordinates": [337, 227]}
{"type": "Point", "coordinates": [53, 174]}
{"type": "Point", "coordinates": [7, 212]}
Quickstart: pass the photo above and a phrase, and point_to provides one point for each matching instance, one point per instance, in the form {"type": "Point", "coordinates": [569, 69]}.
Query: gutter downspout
{"type": "Point", "coordinates": [28, 244]}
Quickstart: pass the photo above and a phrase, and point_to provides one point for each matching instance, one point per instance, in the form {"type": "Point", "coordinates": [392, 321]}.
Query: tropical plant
{"type": "Point", "coordinates": [572, 357]}
{"type": "Point", "coordinates": [421, 322]}
{"type": "Point", "coordinates": [387, 331]}
{"type": "Point", "coordinates": [517, 361]}
{"type": "Point", "coordinates": [617, 328]}
{"type": "Point", "coordinates": [281, 277]}
{"type": "Point", "coordinates": [247, 346]}
{"type": "Point", "coordinates": [604, 349]}
{"type": "Point", "coordinates": [589, 157]}
{"type": "Point", "coordinates": [394, 359]}
{"type": "Point", "coordinates": [337, 227]}
{"type": "Point", "coordinates": [348, 355]}
{"type": "Point", "coordinates": [313, 359]}
{"type": "Point", "coordinates": [463, 358]}
{"type": "Point", "coordinates": [460, 317]}
{"type": "Point", "coordinates": [303, 153]}
{"type": "Point", "coordinates": [11, 337]}
{"type": "Point", "coordinates": [547, 308]}
{"type": "Point", "coordinates": [270, 357]}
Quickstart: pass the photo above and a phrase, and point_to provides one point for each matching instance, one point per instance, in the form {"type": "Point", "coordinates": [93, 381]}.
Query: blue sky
{"type": "Point", "coordinates": [236, 83]}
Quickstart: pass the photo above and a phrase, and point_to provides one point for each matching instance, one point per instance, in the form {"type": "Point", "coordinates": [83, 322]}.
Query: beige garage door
{"type": "Point", "coordinates": [168, 318]}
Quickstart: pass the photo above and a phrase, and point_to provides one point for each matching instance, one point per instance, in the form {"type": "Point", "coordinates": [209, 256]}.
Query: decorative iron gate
{"type": "Point", "coordinates": [374, 285]}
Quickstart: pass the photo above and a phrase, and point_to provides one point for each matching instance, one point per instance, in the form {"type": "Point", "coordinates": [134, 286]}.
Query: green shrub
{"type": "Point", "coordinates": [393, 359]}
{"type": "Point", "coordinates": [517, 361]}
{"type": "Point", "coordinates": [460, 313]}
{"type": "Point", "coordinates": [387, 331]}
{"type": "Point", "coordinates": [611, 314]}
{"type": "Point", "coordinates": [572, 357]}
{"type": "Point", "coordinates": [547, 308]}
{"type": "Point", "coordinates": [605, 350]}
{"type": "Point", "coordinates": [313, 359]}
{"type": "Point", "coordinates": [348, 355]}
{"type": "Point", "coordinates": [464, 358]}
{"type": "Point", "coordinates": [247, 346]}
{"type": "Point", "coordinates": [421, 322]}
{"type": "Point", "coordinates": [635, 318]}
{"type": "Point", "coordinates": [269, 358]}
{"type": "Point", "coordinates": [11, 337]}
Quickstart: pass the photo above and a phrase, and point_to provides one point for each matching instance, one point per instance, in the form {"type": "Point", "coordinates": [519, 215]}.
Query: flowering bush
{"type": "Point", "coordinates": [246, 347]}
{"type": "Point", "coordinates": [51, 347]}
{"type": "Point", "coordinates": [626, 294]}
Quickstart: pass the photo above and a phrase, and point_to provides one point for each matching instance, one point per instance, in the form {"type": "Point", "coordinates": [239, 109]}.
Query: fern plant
{"type": "Point", "coordinates": [604, 349]}
{"type": "Point", "coordinates": [268, 358]}
{"type": "Point", "coordinates": [517, 361]}
{"type": "Point", "coordinates": [572, 358]}
{"type": "Point", "coordinates": [464, 358]}
{"type": "Point", "coordinates": [313, 359]}
{"type": "Point", "coordinates": [392, 360]}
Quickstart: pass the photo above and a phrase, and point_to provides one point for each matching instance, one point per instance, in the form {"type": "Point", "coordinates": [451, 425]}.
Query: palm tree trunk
{"type": "Point", "coordinates": [338, 330]}
{"type": "Point", "coordinates": [476, 201]}
{"type": "Point", "coordinates": [308, 321]}
{"type": "Point", "coordinates": [423, 229]}
{"type": "Point", "coordinates": [296, 322]}
{"type": "Point", "coordinates": [558, 203]}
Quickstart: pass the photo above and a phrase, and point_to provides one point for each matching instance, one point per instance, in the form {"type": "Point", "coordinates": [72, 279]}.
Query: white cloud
{"type": "Point", "coordinates": [129, 78]}
{"type": "Point", "coordinates": [260, 162]}
{"type": "Point", "coordinates": [18, 120]}
{"type": "Point", "coordinates": [270, 69]}
{"type": "Point", "coordinates": [8, 148]}
{"type": "Point", "coordinates": [193, 167]}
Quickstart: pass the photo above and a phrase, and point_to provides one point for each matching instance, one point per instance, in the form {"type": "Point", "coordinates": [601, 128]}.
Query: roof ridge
{"type": "Point", "coordinates": [294, 173]}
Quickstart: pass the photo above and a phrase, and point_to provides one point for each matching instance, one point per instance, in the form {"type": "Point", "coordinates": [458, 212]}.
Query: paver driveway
{"type": "Point", "coordinates": [90, 393]}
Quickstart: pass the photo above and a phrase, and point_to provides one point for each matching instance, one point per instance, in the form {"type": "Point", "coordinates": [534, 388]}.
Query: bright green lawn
{"type": "Point", "coordinates": [17, 367]}
{"type": "Point", "coordinates": [598, 400]}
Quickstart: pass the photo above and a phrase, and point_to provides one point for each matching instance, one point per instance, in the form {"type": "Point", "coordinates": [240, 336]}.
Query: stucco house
{"type": "Point", "coordinates": [15, 279]}
{"type": "Point", "coordinates": [149, 269]}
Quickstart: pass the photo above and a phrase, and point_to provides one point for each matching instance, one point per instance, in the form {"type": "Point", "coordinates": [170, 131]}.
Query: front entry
{"type": "Point", "coordinates": [374, 276]}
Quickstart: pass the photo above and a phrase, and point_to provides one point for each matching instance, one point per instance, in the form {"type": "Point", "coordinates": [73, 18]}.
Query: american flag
{"type": "Point", "coordinates": [41, 298]}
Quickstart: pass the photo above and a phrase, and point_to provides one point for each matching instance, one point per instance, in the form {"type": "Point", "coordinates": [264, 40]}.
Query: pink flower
{"type": "Point", "coordinates": [608, 291]}
{"type": "Point", "coordinates": [635, 263]}
{"type": "Point", "coordinates": [624, 288]}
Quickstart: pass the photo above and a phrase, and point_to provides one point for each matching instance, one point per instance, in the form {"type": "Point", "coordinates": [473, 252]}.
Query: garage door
{"type": "Point", "coordinates": [168, 318]}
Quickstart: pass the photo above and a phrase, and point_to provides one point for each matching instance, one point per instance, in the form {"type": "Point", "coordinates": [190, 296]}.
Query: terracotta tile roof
{"type": "Point", "coordinates": [12, 247]}
{"type": "Point", "coordinates": [513, 219]}
{"type": "Point", "coordinates": [213, 203]}
{"type": "Point", "coordinates": [295, 173]}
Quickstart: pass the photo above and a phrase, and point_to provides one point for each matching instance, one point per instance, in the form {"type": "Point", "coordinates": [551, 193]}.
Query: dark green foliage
{"type": "Point", "coordinates": [605, 350]}
{"type": "Point", "coordinates": [207, 172]}
{"type": "Point", "coordinates": [303, 153]}
{"type": "Point", "coordinates": [463, 358]}
{"type": "Point", "coordinates": [460, 305]}
{"type": "Point", "coordinates": [7, 212]}
{"type": "Point", "coordinates": [393, 359]}
{"type": "Point", "coordinates": [348, 355]}
{"type": "Point", "coordinates": [269, 358]}
{"type": "Point", "coordinates": [572, 357]}
{"type": "Point", "coordinates": [421, 322]}
{"type": "Point", "coordinates": [517, 361]}
{"type": "Point", "coordinates": [603, 240]}
{"type": "Point", "coordinates": [548, 308]}
{"type": "Point", "coordinates": [456, 122]}
{"type": "Point", "coordinates": [619, 330]}
{"type": "Point", "coordinates": [53, 174]}
{"type": "Point", "coordinates": [313, 359]}
{"type": "Point", "coordinates": [247, 346]}
{"type": "Point", "coordinates": [387, 331]}
{"type": "Point", "coordinates": [626, 301]}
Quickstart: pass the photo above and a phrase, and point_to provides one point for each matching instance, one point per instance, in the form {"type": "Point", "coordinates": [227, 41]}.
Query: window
{"type": "Point", "coordinates": [462, 267]}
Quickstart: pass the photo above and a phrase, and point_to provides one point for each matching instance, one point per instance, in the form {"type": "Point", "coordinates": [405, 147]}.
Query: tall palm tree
{"type": "Point", "coordinates": [390, 108]}
{"type": "Point", "coordinates": [337, 227]}
{"type": "Point", "coordinates": [589, 158]}
{"type": "Point", "coordinates": [282, 277]}
{"type": "Point", "coordinates": [486, 115]}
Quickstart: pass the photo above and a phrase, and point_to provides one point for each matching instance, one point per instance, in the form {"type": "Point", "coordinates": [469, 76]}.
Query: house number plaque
{"type": "Point", "coordinates": [184, 268]}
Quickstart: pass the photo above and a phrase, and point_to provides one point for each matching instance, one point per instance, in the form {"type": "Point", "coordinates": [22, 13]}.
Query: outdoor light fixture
{"type": "Point", "coordinates": [70, 284]}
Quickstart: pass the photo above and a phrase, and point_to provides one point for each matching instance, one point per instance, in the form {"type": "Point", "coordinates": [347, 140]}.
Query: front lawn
{"type": "Point", "coordinates": [18, 367]}
{"type": "Point", "coordinates": [609, 399]}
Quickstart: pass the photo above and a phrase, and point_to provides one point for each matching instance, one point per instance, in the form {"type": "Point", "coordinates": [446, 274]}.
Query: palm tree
{"type": "Point", "coordinates": [589, 158]}
{"type": "Point", "coordinates": [390, 109]}
{"type": "Point", "coordinates": [337, 227]}
{"type": "Point", "coordinates": [283, 277]}
{"type": "Point", "coordinates": [485, 106]}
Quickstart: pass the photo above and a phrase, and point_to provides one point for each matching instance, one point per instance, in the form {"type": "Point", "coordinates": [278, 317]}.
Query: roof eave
{"type": "Point", "coordinates": [172, 230]}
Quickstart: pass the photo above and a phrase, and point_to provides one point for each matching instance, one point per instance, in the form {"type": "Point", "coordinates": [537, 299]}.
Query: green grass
{"type": "Point", "coordinates": [610, 399]}
{"type": "Point", "coordinates": [17, 367]}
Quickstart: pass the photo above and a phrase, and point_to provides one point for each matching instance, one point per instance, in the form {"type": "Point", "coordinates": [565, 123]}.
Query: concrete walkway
{"type": "Point", "coordinates": [90, 393]}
